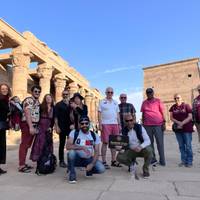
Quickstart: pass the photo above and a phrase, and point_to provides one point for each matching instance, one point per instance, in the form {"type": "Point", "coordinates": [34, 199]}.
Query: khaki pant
{"type": "Point", "coordinates": [198, 129]}
{"type": "Point", "coordinates": [129, 156]}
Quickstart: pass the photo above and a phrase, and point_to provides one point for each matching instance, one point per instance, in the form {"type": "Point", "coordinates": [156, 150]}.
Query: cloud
{"type": "Point", "coordinates": [115, 70]}
{"type": "Point", "coordinates": [119, 69]}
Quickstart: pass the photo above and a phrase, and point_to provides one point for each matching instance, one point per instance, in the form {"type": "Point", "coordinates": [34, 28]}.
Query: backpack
{"type": "Point", "coordinates": [46, 163]}
{"type": "Point", "coordinates": [77, 133]}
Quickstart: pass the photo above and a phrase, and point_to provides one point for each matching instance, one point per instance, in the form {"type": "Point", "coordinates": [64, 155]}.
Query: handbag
{"type": "Point", "coordinates": [3, 125]}
{"type": "Point", "coordinates": [176, 129]}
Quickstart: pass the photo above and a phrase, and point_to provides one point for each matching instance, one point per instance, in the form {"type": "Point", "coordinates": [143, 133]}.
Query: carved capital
{"type": "Point", "coordinates": [73, 86]}
{"type": "Point", "coordinates": [60, 81]}
{"type": "Point", "coordinates": [45, 70]}
{"type": "Point", "coordinates": [1, 39]}
{"type": "Point", "coordinates": [21, 57]}
{"type": "Point", "coordinates": [88, 97]}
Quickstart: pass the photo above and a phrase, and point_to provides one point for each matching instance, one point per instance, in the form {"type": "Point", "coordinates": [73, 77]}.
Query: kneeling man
{"type": "Point", "coordinates": [139, 144]}
{"type": "Point", "coordinates": [83, 146]}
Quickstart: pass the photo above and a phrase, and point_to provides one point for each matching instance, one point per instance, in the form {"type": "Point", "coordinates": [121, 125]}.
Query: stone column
{"type": "Point", "coordinates": [73, 88]}
{"type": "Point", "coordinates": [45, 74]}
{"type": "Point", "coordinates": [20, 62]}
{"type": "Point", "coordinates": [92, 109]}
{"type": "Point", "coordinates": [60, 84]}
{"type": "Point", "coordinates": [96, 110]}
{"type": "Point", "coordinates": [88, 99]}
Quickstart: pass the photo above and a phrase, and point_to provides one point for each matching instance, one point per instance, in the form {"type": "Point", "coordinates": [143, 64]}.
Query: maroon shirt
{"type": "Point", "coordinates": [180, 113]}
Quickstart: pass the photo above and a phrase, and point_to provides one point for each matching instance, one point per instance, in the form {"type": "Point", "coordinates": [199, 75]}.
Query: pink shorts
{"type": "Point", "coordinates": [109, 129]}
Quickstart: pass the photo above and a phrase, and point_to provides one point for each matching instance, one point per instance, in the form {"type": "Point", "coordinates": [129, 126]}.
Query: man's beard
{"type": "Point", "coordinates": [85, 130]}
{"type": "Point", "coordinates": [66, 100]}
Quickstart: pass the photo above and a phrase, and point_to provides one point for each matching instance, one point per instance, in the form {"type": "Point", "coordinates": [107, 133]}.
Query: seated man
{"type": "Point", "coordinates": [83, 146]}
{"type": "Point", "coordinates": [139, 145]}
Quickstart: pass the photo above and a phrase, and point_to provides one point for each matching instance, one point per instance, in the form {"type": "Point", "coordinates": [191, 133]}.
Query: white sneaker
{"type": "Point", "coordinates": [72, 181]}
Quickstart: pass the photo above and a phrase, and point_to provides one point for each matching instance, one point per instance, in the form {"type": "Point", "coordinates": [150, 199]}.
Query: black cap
{"type": "Point", "coordinates": [77, 95]}
{"type": "Point", "coordinates": [84, 118]}
{"type": "Point", "coordinates": [149, 90]}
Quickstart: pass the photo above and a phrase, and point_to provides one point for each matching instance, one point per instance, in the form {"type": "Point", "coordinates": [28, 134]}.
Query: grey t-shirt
{"type": "Point", "coordinates": [85, 139]}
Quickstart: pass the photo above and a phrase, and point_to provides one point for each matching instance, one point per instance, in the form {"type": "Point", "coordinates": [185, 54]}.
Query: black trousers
{"type": "Point", "coordinates": [2, 146]}
{"type": "Point", "coordinates": [62, 140]}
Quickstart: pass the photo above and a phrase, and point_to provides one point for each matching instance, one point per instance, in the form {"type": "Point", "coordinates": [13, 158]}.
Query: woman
{"type": "Point", "coordinates": [181, 115]}
{"type": "Point", "coordinates": [45, 127]}
{"type": "Point", "coordinates": [79, 109]}
{"type": "Point", "coordinates": [5, 93]}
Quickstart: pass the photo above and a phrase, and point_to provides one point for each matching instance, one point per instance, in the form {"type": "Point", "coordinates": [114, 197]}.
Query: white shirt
{"type": "Point", "coordinates": [133, 140]}
{"type": "Point", "coordinates": [109, 111]}
{"type": "Point", "coordinates": [85, 139]}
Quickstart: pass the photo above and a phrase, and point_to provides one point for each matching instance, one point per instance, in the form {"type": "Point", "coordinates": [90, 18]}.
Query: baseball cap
{"type": "Point", "coordinates": [149, 90]}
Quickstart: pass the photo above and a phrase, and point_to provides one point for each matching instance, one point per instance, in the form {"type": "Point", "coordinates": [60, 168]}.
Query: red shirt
{"type": "Point", "coordinates": [152, 112]}
{"type": "Point", "coordinates": [180, 113]}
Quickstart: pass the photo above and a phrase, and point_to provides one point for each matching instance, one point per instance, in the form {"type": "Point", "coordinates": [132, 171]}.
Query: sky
{"type": "Point", "coordinates": [110, 41]}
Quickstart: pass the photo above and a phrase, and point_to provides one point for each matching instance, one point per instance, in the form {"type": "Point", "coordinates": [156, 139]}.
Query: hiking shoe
{"type": "Point", "coordinates": [146, 174]}
{"type": "Point", "coordinates": [2, 171]}
{"type": "Point", "coordinates": [88, 174]}
{"type": "Point", "coordinates": [114, 163]}
{"type": "Point", "coordinates": [154, 163]}
{"type": "Point", "coordinates": [63, 164]}
{"type": "Point", "coordinates": [106, 165]}
{"type": "Point", "coordinates": [188, 165]}
{"type": "Point", "coordinates": [181, 164]}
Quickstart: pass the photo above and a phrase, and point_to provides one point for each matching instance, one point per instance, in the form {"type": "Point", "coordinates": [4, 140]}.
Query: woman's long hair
{"type": "Point", "coordinates": [9, 90]}
{"type": "Point", "coordinates": [43, 106]}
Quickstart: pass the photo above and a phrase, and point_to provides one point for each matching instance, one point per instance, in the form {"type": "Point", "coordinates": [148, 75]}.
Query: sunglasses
{"type": "Point", "coordinates": [37, 91]}
{"type": "Point", "coordinates": [65, 94]}
{"type": "Point", "coordinates": [109, 92]}
{"type": "Point", "coordinates": [129, 120]}
{"type": "Point", "coordinates": [122, 97]}
{"type": "Point", "coordinates": [84, 123]}
{"type": "Point", "coordinates": [176, 98]}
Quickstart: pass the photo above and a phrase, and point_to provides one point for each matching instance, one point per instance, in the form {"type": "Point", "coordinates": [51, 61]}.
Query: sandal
{"type": "Point", "coordinates": [24, 169]}
{"type": "Point", "coordinates": [115, 164]}
{"type": "Point", "coordinates": [106, 165]}
{"type": "Point", "coordinates": [28, 166]}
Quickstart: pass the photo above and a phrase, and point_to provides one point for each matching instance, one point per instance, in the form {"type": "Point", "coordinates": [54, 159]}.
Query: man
{"type": "Point", "coordinates": [153, 120]}
{"type": "Point", "coordinates": [196, 112]}
{"type": "Point", "coordinates": [109, 124]}
{"type": "Point", "coordinates": [62, 124]}
{"type": "Point", "coordinates": [139, 145]}
{"type": "Point", "coordinates": [83, 146]}
{"type": "Point", "coordinates": [29, 126]}
{"type": "Point", "coordinates": [125, 108]}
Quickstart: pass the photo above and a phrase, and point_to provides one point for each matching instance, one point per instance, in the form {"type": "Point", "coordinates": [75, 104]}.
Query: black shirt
{"type": "Point", "coordinates": [4, 109]}
{"type": "Point", "coordinates": [62, 113]}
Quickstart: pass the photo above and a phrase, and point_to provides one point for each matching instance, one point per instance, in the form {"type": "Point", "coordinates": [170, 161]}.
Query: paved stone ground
{"type": "Point", "coordinates": [166, 183]}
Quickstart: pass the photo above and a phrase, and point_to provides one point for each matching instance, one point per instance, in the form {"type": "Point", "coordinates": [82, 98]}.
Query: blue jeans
{"type": "Point", "coordinates": [74, 160]}
{"type": "Point", "coordinates": [185, 147]}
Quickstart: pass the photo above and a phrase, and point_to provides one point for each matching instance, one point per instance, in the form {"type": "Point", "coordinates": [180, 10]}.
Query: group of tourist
{"type": "Point", "coordinates": [69, 118]}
